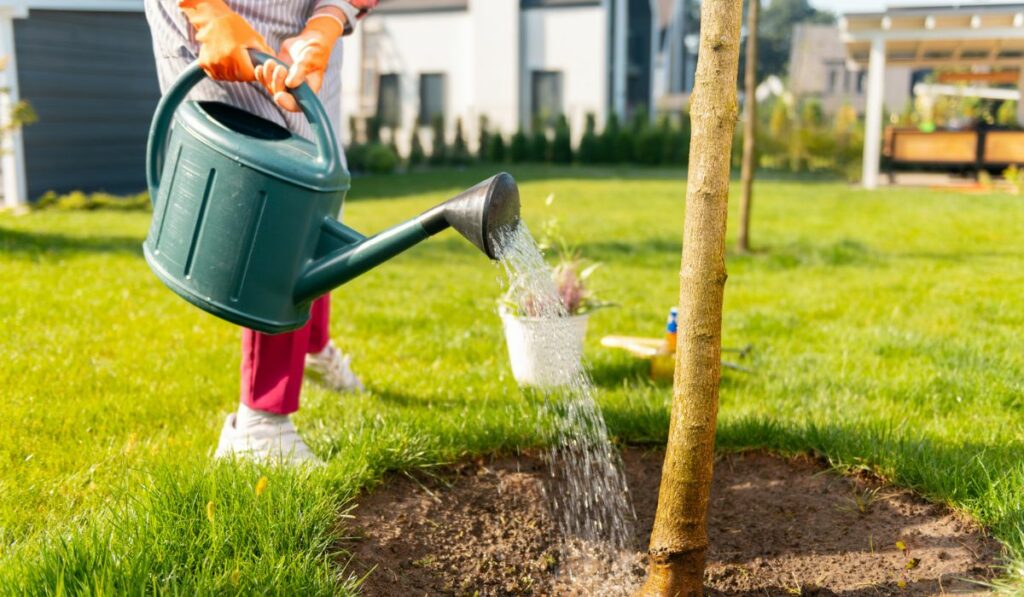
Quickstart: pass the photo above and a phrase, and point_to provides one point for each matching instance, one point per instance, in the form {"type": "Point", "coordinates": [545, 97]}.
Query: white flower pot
{"type": "Point", "coordinates": [545, 352]}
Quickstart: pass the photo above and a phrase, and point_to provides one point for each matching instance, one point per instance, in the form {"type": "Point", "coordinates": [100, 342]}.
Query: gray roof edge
{"type": "Point", "coordinates": [530, 4]}
{"type": "Point", "coordinates": [404, 6]}
{"type": "Point", "coordinates": [911, 9]}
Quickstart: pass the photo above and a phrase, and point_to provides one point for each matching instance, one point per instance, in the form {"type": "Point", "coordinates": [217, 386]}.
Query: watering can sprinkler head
{"type": "Point", "coordinates": [479, 213]}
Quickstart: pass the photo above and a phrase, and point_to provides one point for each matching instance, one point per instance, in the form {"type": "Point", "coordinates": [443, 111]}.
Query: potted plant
{"type": "Point", "coordinates": [545, 340]}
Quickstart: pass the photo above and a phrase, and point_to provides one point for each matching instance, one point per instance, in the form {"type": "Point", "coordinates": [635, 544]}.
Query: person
{"type": "Point", "coordinates": [307, 34]}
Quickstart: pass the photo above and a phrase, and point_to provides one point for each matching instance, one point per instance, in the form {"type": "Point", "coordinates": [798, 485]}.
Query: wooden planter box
{"type": "Point", "coordinates": [960, 151]}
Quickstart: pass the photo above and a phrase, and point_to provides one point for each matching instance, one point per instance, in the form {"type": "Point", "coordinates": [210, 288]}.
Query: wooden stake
{"type": "Point", "coordinates": [749, 127]}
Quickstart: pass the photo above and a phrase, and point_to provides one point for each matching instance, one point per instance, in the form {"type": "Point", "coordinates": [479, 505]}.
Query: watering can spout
{"type": "Point", "coordinates": [479, 214]}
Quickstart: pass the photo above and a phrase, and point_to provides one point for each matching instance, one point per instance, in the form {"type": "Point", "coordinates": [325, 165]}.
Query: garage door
{"type": "Point", "coordinates": [90, 77]}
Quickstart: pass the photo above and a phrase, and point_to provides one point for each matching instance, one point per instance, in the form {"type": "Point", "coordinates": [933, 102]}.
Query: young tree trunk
{"type": "Point", "coordinates": [749, 126]}
{"type": "Point", "coordinates": [679, 539]}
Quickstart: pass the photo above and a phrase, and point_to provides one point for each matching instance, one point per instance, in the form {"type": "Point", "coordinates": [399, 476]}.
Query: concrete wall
{"type": "Point", "coordinates": [496, 53]}
{"type": "Point", "coordinates": [573, 40]}
{"type": "Point", "coordinates": [408, 44]}
{"type": "Point", "coordinates": [897, 87]}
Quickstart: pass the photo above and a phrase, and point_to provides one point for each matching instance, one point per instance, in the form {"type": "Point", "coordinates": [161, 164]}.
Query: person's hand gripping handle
{"type": "Point", "coordinates": [225, 39]}
{"type": "Point", "coordinates": [305, 58]}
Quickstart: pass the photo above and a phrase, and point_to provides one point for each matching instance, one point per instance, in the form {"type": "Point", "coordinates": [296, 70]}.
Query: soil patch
{"type": "Point", "coordinates": [777, 527]}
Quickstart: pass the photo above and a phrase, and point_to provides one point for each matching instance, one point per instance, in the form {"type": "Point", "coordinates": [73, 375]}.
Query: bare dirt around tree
{"type": "Point", "coordinates": [777, 527]}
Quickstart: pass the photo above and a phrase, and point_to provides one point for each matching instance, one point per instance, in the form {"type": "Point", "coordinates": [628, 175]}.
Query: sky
{"type": "Point", "coordinates": [840, 6]}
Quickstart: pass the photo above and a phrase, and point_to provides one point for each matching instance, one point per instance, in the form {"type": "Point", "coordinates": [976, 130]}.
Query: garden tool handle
{"type": "Point", "coordinates": [327, 146]}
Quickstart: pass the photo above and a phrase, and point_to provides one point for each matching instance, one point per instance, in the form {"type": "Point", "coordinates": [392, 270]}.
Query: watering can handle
{"type": "Point", "coordinates": [310, 104]}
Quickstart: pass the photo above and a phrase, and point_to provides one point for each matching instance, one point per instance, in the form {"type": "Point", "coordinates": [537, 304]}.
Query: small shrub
{"type": "Point", "coordinates": [381, 159]}
{"type": "Point", "coordinates": [849, 144]}
{"type": "Point", "coordinates": [519, 149]}
{"type": "Point", "coordinates": [908, 117]}
{"type": "Point", "coordinates": [496, 152]}
{"type": "Point", "coordinates": [811, 142]}
{"type": "Point", "coordinates": [625, 148]}
{"type": "Point", "coordinates": [650, 142]}
{"type": "Point", "coordinates": [1015, 178]}
{"type": "Point", "coordinates": [682, 147]}
{"type": "Point", "coordinates": [1006, 115]}
{"type": "Point", "coordinates": [772, 151]}
{"type": "Point", "coordinates": [622, 148]}
{"type": "Point", "coordinates": [589, 149]}
{"type": "Point", "coordinates": [22, 114]}
{"type": "Point", "coordinates": [373, 130]}
{"type": "Point", "coordinates": [459, 154]}
{"type": "Point", "coordinates": [81, 201]}
{"type": "Point", "coordinates": [675, 145]}
{"type": "Point", "coordinates": [845, 121]}
{"type": "Point", "coordinates": [779, 124]}
{"type": "Point", "coordinates": [483, 140]}
{"type": "Point", "coordinates": [640, 120]}
{"type": "Point", "coordinates": [416, 154]}
{"type": "Point", "coordinates": [353, 129]}
{"type": "Point", "coordinates": [438, 145]}
{"type": "Point", "coordinates": [561, 147]}
{"type": "Point", "coordinates": [985, 180]}
{"type": "Point", "coordinates": [357, 154]}
{"type": "Point", "coordinates": [819, 147]}
{"type": "Point", "coordinates": [812, 114]}
{"type": "Point", "coordinates": [539, 145]}
{"type": "Point", "coordinates": [608, 139]}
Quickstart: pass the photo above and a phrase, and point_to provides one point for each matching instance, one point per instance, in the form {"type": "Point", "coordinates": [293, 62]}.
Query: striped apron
{"type": "Point", "coordinates": [175, 47]}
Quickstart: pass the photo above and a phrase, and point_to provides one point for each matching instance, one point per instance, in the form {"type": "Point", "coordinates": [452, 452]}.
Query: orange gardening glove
{"type": "Point", "coordinates": [306, 55]}
{"type": "Point", "coordinates": [225, 37]}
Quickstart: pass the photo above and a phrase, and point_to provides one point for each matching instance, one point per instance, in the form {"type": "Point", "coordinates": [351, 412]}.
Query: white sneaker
{"type": "Point", "coordinates": [264, 437]}
{"type": "Point", "coordinates": [333, 369]}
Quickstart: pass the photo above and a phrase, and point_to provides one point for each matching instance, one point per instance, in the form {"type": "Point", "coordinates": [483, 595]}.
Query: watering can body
{"type": "Point", "coordinates": [243, 218]}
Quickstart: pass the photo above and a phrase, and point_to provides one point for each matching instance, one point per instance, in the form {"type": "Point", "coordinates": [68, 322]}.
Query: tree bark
{"type": "Point", "coordinates": [749, 127]}
{"type": "Point", "coordinates": [679, 540]}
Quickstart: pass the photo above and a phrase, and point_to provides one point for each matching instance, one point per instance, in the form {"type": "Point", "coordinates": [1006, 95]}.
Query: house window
{"type": "Point", "coordinates": [860, 82]}
{"type": "Point", "coordinates": [546, 100]}
{"type": "Point", "coordinates": [432, 87]}
{"type": "Point", "coordinates": [833, 76]}
{"type": "Point", "coordinates": [389, 101]}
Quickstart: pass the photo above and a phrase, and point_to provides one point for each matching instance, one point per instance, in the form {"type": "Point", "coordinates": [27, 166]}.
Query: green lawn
{"type": "Point", "coordinates": [886, 331]}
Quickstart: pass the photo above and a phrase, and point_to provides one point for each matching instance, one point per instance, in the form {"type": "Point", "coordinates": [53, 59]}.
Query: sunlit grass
{"type": "Point", "coordinates": [885, 329]}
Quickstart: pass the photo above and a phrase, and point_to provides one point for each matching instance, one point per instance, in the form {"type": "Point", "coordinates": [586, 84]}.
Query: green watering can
{"type": "Point", "coordinates": [243, 211]}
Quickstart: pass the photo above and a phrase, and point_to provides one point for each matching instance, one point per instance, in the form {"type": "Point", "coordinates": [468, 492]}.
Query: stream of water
{"type": "Point", "coordinates": [588, 493]}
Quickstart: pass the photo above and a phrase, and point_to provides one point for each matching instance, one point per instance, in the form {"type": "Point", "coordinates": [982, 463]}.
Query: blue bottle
{"type": "Point", "coordinates": [672, 330]}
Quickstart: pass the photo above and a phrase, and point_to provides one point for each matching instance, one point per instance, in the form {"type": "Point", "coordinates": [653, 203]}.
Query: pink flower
{"type": "Point", "coordinates": [570, 287]}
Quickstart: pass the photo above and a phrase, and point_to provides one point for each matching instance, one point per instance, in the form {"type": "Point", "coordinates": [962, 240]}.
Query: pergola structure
{"type": "Point", "coordinates": [969, 36]}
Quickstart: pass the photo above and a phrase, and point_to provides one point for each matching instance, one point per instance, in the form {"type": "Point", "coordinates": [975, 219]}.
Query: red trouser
{"type": "Point", "coordinates": [272, 365]}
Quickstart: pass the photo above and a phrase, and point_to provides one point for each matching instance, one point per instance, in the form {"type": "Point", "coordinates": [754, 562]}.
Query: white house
{"type": "Point", "coordinates": [86, 66]}
{"type": "Point", "coordinates": [511, 61]}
